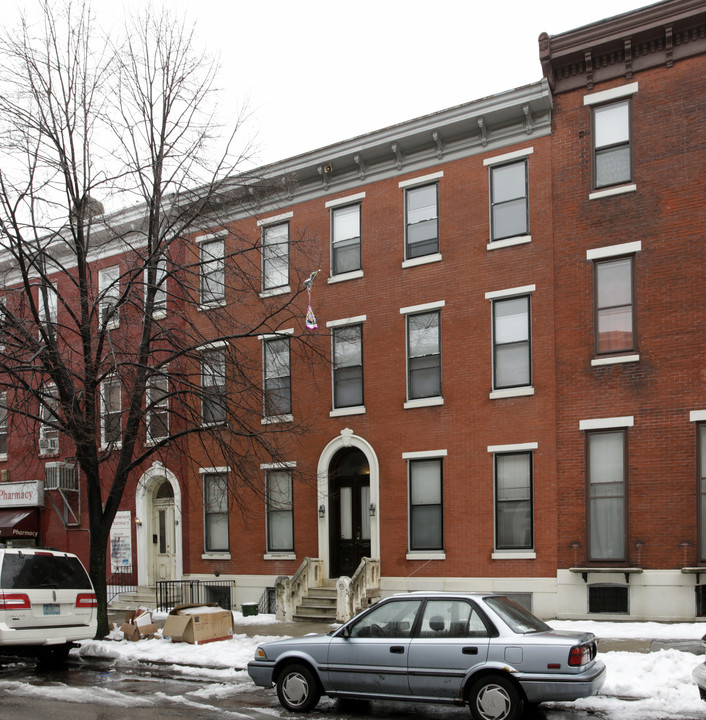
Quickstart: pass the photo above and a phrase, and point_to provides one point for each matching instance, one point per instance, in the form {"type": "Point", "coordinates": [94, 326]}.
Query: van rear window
{"type": "Point", "coordinates": [34, 572]}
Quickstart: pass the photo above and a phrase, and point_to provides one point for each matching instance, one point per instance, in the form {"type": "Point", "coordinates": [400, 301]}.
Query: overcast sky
{"type": "Point", "coordinates": [313, 72]}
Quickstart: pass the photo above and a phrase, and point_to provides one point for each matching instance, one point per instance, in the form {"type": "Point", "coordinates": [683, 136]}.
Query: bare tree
{"type": "Point", "coordinates": [110, 354]}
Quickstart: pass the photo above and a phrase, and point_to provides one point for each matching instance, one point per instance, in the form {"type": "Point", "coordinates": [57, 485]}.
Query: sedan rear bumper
{"type": "Point", "coordinates": [563, 687]}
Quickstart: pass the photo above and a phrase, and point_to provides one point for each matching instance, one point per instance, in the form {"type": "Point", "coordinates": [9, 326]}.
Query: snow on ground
{"type": "Point", "coordinates": [639, 686]}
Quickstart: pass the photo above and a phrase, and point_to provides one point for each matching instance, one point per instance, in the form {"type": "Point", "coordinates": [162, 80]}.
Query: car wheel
{"type": "Point", "coordinates": [298, 689]}
{"type": "Point", "coordinates": [495, 697]}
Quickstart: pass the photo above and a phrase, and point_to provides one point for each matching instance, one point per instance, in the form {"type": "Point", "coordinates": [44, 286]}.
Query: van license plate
{"type": "Point", "coordinates": [51, 609]}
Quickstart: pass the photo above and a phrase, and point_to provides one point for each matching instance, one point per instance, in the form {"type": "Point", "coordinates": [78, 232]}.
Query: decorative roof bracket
{"type": "Point", "coordinates": [628, 58]}
{"type": "Point", "coordinates": [324, 172]}
{"type": "Point", "coordinates": [361, 166]}
{"type": "Point", "coordinates": [669, 45]}
{"type": "Point", "coordinates": [528, 119]}
{"type": "Point", "coordinates": [483, 132]}
{"type": "Point", "coordinates": [439, 147]}
{"type": "Point", "coordinates": [588, 59]}
{"type": "Point", "coordinates": [398, 155]}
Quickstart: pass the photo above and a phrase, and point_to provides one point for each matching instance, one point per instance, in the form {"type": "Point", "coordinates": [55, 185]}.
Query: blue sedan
{"type": "Point", "coordinates": [480, 649]}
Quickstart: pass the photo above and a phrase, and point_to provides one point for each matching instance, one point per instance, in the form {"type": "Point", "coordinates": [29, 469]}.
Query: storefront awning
{"type": "Point", "coordinates": [17, 524]}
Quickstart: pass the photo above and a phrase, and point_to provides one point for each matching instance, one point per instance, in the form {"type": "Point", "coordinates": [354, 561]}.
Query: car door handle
{"type": "Point", "coordinates": [397, 649]}
{"type": "Point", "coordinates": [470, 651]}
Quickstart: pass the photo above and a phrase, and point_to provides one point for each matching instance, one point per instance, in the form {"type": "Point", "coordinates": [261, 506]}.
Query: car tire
{"type": "Point", "coordinates": [298, 688]}
{"type": "Point", "coordinates": [494, 697]}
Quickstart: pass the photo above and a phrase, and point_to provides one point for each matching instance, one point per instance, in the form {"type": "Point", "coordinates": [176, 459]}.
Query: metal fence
{"type": "Point", "coordinates": [203, 592]}
{"type": "Point", "coordinates": [124, 579]}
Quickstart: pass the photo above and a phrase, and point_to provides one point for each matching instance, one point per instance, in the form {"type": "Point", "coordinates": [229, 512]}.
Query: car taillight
{"type": "Point", "coordinates": [581, 654]}
{"type": "Point", "coordinates": [16, 601]}
{"type": "Point", "coordinates": [86, 600]}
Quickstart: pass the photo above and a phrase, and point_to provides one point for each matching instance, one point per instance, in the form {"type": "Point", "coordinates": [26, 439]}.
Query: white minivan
{"type": "Point", "coordinates": [47, 602]}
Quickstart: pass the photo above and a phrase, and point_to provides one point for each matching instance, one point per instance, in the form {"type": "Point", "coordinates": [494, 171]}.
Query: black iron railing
{"type": "Point", "coordinates": [179, 592]}
{"type": "Point", "coordinates": [121, 581]}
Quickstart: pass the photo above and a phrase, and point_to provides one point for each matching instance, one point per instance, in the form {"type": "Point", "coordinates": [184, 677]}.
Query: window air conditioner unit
{"type": "Point", "coordinates": [60, 476]}
{"type": "Point", "coordinates": [49, 444]}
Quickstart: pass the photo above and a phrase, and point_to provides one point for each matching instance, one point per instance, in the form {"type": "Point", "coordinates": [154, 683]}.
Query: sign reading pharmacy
{"type": "Point", "coordinates": [22, 494]}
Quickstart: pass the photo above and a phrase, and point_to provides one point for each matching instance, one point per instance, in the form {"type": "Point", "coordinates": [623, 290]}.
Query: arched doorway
{"type": "Point", "coordinates": [349, 511]}
{"type": "Point", "coordinates": [163, 560]}
{"type": "Point", "coordinates": [158, 526]}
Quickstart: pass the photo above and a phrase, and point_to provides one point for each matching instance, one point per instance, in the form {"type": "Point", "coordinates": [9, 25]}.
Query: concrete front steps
{"type": "Point", "coordinates": [141, 597]}
{"type": "Point", "coordinates": [319, 605]}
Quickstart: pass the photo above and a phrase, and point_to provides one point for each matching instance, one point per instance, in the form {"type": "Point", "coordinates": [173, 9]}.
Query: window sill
{"type": "Point", "coordinates": [423, 260]}
{"type": "Point", "coordinates": [341, 412]}
{"type": "Point", "coordinates": [3, 457]}
{"type": "Point", "coordinates": [110, 447]}
{"type": "Point", "coordinates": [423, 402]}
{"type": "Point", "coordinates": [345, 276]}
{"type": "Point", "coordinates": [509, 242]}
{"type": "Point", "coordinates": [279, 556]}
{"type": "Point", "coordinates": [514, 555]}
{"type": "Point", "coordinates": [277, 419]}
{"type": "Point", "coordinates": [511, 392]}
{"type": "Point", "coordinates": [159, 314]}
{"type": "Point", "coordinates": [276, 291]}
{"type": "Point", "coordinates": [424, 555]}
{"type": "Point", "coordinates": [213, 424]}
{"type": "Point", "coordinates": [596, 362]}
{"type": "Point", "coordinates": [202, 307]}
{"type": "Point", "coordinates": [610, 192]}
{"type": "Point", "coordinates": [216, 555]}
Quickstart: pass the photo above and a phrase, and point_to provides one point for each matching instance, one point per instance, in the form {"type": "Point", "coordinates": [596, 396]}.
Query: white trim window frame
{"type": "Point", "coordinates": [157, 406]}
{"type": "Point", "coordinates": [512, 342]}
{"type": "Point", "coordinates": [216, 521]}
{"type": "Point", "coordinates": [514, 500]}
{"type": "Point", "coordinates": [509, 199]}
{"type": "Point", "coordinates": [159, 304]}
{"type": "Point", "coordinates": [277, 376]}
{"type": "Point", "coordinates": [212, 269]}
{"type": "Point", "coordinates": [279, 510]}
{"type": "Point", "coordinates": [3, 426]}
{"type": "Point", "coordinates": [213, 385]}
{"type": "Point", "coordinates": [423, 346]}
{"type": "Point", "coordinates": [426, 503]}
{"type": "Point", "coordinates": [275, 256]}
{"type": "Point", "coordinates": [347, 366]}
{"type": "Point", "coordinates": [612, 162]}
{"type": "Point", "coordinates": [111, 413]}
{"type": "Point", "coordinates": [421, 220]}
{"type": "Point", "coordinates": [49, 312]}
{"type": "Point", "coordinates": [48, 412]}
{"type": "Point", "coordinates": [109, 296]}
{"type": "Point", "coordinates": [346, 254]}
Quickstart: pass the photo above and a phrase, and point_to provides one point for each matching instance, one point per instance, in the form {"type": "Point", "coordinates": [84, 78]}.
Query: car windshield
{"type": "Point", "coordinates": [515, 616]}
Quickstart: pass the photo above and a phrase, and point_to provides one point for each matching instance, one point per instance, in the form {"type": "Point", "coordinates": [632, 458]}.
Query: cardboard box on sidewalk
{"type": "Point", "coordinates": [198, 624]}
{"type": "Point", "coordinates": [138, 625]}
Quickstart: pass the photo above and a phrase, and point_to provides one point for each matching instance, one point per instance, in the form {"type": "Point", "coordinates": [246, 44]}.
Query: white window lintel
{"type": "Point", "coordinates": [516, 447]}
{"type": "Point", "coordinates": [348, 200]}
{"type": "Point", "coordinates": [347, 321]}
{"type": "Point", "coordinates": [615, 93]}
{"type": "Point", "coordinates": [278, 465]}
{"type": "Point", "coordinates": [510, 292]}
{"type": "Point", "coordinates": [275, 219]}
{"type": "Point", "coordinates": [421, 180]}
{"type": "Point", "coordinates": [421, 454]}
{"type": "Point", "coordinates": [614, 250]}
{"type": "Point", "coordinates": [275, 335]}
{"type": "Point", "coordinates": [506, 157]}
{"type": "Point", "coordinates": [607, 423]}
{"type": "Point", "coordinates": [422, 308]}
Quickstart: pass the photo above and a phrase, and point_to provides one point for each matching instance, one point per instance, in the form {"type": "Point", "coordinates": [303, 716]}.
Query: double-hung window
{"type": "Point", "coordinates": [422, 221]}
{"type": "Point", "coordinates": [426, 527]}
{"type": "Point", "coordinates": [277, 377]}
{"type": "Point", "coordinates": [280, 515]}
{"type": "Point", "coordinates": [213, 385]}
{"type": "Point", "coordinates": [109, 289]}
{"type": "Point", "coordinates": [275, 256]}
{"type": "Point", "coordinates": [111, 412]}
{"type": "Point", "coordinates": [511, 342]}
{"type": "Point", "coordinates": [607, 481]}
{"type": "Point", "coordinates": [614, 305]}
{"type": "Point", "coordinates": [48, 307]}
{"type": "Point", "coordinates": [157, 408]}
{"type": "Point", "coordinates": [212, 271]}
{"type": "Point", "coordinates": [215, 510]}
{"type": "Point", "coordinates": [513, 501]}
{"type": "Point", "coordinates": [347, 366]}
{"type": "Point", "coordinates": [3, 426]}
{"type": "Point", "coordinates": [159, 303]}
{"type": "Point", "coordinates": [345, 239]}
{"type": "Point", "coordinates": [423, 354]}
{"type": "Point", "coordinates": [509, 200]}
{"type": "Point", "coordinates": [48, 411]}
{"type": "Point", "coordinates": [611, 144]}
{"type": "Point", "coordinates": [702, 491]}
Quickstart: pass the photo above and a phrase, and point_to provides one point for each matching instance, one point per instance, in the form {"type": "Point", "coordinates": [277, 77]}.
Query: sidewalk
{"type": "Point", "coordinates": [297, 629]}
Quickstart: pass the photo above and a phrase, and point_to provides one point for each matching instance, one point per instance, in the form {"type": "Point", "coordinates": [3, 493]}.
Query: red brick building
{"type": "Point", "coordinates": [503, 392]}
